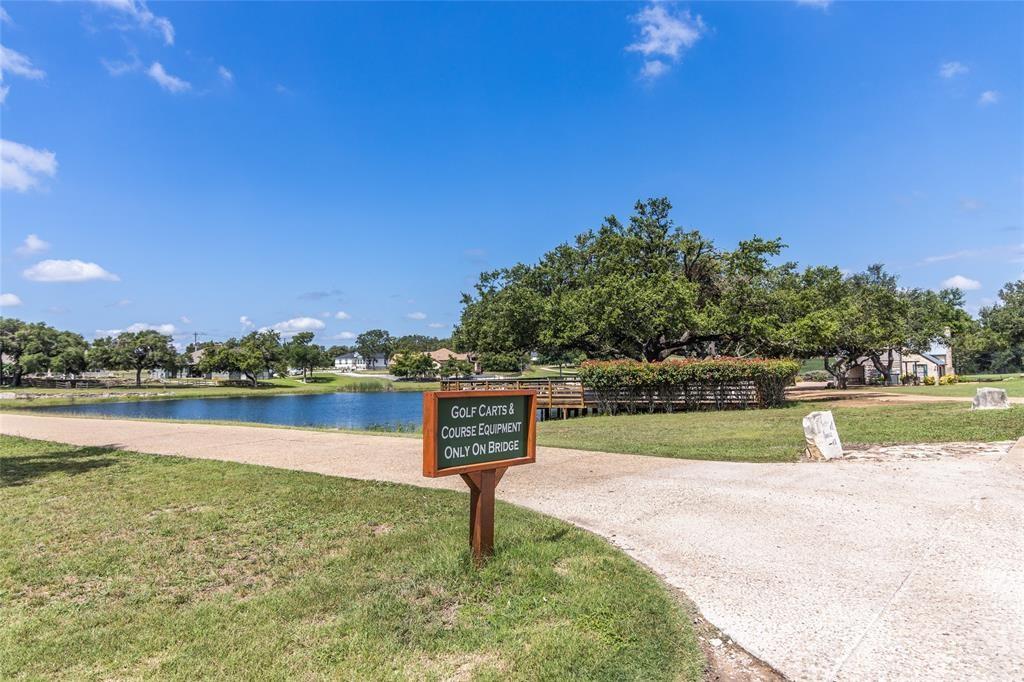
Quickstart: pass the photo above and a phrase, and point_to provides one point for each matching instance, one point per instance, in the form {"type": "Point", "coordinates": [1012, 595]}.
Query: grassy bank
{"type": "Point", "coordinates": [120, 565]}
{"type": "Point", "coordinates": [319, 383]}
{"type": "Point", "coordinates": [776, 435]}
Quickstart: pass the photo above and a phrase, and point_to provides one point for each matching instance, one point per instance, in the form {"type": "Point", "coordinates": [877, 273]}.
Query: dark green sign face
{"type": "Point", "coordinates": [475, 430]}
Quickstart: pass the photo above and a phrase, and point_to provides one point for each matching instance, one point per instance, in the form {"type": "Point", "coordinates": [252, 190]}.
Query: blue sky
{"type": "Point", "coordinates": [216, 167]}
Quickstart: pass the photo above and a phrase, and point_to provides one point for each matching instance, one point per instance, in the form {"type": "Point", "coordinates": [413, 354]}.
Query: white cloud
{"type": "Point", "coordinates": [185, 319]}
{"type": "Point", "coordinates": [955, 255]}
{"type": "Point", "coordinates": [67, 271]}
{"type": "Point", "coordinates": [341, 315]}
{"type": "Point", "coordinates": [4, 89]}
{"type": "Point", "coordinates": [664, 34]}
{"type": "Point", "coordinates": [961, 282]}
{"type": "Point", "coordinates": [22, 166]}
{"type": "Point", "coordinates": [32, 244]}
{"type": "Point", "coordinates": [142, 16]}
{"type": "Point", "coordinates": [9, 300]}
{"type": "Point", "coordinates": [969, 204]}
{"type": "Point", "coordinates": [298, 324]}
{"type": "Point", "coordinates": [139, 327]}
{"type": "Point", "coordinates": [245, 321]}
{"type": "Point", "coordinates": [166, 81]}
{"type": "Point", "coordinates": [436, 325]}
{"type": "Point", "coordinates": [416, 316]}
{"type": "Point", "coordinates": [989, 97]}
{"type": "Point", "coordinates": [952, 69]}
{"type": "Point", "coordinates": [1011, 251]}
{"type": "Point", "coordinates": [124, 302]}
{"type": "Point", "coordinates": [225, 74]}
{"type": "Point", "coordinates": [344, 336]}
{"type": "Point", "coordinates": [18, 64]}
{"type": "Point", "coordinates": [820, 4]}
{"type": "Point", "coordinates": [5, 18]}
{"type": "Point", "coordinates": [654, 68]}
{"type": "Point", "coordinates": [116, 68]}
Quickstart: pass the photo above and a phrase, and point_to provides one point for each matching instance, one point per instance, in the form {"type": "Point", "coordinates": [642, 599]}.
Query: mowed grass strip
{"type": "Point", "coordinates": [776, 435]}
{"type": "Point", "coordinates": [1012, 384]}
{"type": "Point", "coordinates": [121, 565]}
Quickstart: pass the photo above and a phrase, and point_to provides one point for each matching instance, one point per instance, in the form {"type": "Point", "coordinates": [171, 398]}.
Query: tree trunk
{"type": "Point", "coordinates": [838, 372]}
{"type": "Point", "coordinates": [138, 377]}
{"type": "Point", "coordinates": [886, 369]}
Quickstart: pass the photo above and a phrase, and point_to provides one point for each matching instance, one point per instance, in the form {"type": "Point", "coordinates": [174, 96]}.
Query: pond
{"type": "Point", "coordinates": [389, 410]}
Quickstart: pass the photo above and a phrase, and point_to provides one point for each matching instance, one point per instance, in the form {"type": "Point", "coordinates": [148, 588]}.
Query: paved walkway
{"type": "Point", "coordinates": [869, 569]}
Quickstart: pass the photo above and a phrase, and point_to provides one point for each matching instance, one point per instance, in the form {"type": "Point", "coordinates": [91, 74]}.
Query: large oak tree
{"type": "Point", "coordinates": [645, 289]}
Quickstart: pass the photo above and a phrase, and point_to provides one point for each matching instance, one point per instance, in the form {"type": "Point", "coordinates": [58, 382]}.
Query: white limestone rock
{"type": "Point", "coordinates": [821, 436]}
{"type": "Point", "coordinates": [990, 399]}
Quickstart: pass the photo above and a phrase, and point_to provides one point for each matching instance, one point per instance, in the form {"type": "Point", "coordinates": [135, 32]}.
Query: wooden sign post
{"type": "Point", "coordinates": [478, 435]}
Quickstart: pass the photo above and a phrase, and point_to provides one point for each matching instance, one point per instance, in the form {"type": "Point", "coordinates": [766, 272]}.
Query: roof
{"type": "Point", "coordinates": [442, 354]}
{"type": "Point", "coordinates": [931, 358]}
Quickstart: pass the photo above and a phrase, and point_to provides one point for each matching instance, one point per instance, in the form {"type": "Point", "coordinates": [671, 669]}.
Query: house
{"type": "Point", "coordinates": [936, 363]}
{"type": "Point", "coordinates": [440, 355]}
{"type": "Point", "coordinates": [352, 361]}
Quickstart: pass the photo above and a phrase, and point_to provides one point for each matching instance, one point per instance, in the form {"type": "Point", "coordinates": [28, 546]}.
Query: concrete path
{"type": "Point", "coordinates": [855, 570]}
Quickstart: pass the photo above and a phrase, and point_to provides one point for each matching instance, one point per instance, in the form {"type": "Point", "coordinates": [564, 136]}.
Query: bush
{"type": "Point", "coordinates": [910, 379]}
{"type": "Point", "coordinates": [929, 381]}
{"type": "Point", "coordinates": [948, 379]}
{"type": "Point", "coordinates": [816, 375]}
{"type": "Point", "coordinates": [720, 382]}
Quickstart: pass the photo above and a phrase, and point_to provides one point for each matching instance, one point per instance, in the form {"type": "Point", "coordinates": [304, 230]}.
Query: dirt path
{"type": "Point", "coordinates": [866, 397]}
{"type": "Point", "coordinates": [867, 569]}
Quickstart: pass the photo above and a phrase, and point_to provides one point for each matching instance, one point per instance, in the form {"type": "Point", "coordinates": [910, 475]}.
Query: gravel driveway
{"type": "Point", "coordinates": [876, 568]}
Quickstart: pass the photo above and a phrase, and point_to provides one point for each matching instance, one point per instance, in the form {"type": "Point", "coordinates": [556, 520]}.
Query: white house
{"type": "Point", "coordinates": [353, 361]}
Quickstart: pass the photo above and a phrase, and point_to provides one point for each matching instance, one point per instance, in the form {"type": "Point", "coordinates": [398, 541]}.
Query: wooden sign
{"type": "Point", "coordinates": [478, 435]}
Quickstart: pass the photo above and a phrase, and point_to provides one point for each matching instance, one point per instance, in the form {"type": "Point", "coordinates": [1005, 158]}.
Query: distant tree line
{"type": "Point", "coordinates": [38, 348]}
{"type": "Point", "coordinates": [649, 290]}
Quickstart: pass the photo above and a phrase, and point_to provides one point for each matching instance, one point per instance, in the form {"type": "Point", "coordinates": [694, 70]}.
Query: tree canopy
{"type": "Point", "coordinates": [995, 342]}
{"type": "Point", "coordinates": [252, 355]}
{"type": "Point", "coordinates": [302, 353]}
{"type": "Point", "coordinates": [373, 343]}
{"type": "Point", "coordinates": [135, 351]}
{"type": "Point", "coordinates": [649, 290]}
{"type": "Point", "coordinates": [413, 365]}
{"type": "Point", "coordinates": [645, 289]}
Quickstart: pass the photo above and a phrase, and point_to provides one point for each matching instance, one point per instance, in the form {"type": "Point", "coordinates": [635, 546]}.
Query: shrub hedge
{"type": "Point", "coordinates": [711, 383]}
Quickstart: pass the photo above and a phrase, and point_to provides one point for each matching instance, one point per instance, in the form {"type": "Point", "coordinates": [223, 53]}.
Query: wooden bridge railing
{"type": "Point", "coordinates": [570, 393]}
{"type": "Point", "coordinates": [551, 393]}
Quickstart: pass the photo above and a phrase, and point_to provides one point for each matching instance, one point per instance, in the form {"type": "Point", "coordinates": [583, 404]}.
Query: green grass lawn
{"type": "Point", "coordinates": [776, 435]}
{"type": "Point", "coordinates": [319, 383]}
{"type": "Point", "coordinates": [1013, 384]}
{"type": "Point", "coordinates": [812, 365]}
{"type": "Point", "coordinates": [120, 565]}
